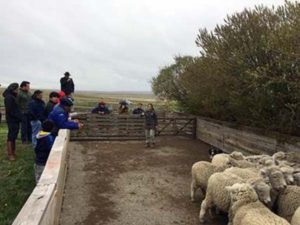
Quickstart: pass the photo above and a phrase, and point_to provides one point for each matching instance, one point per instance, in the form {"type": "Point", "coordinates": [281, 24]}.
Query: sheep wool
{"type": "Point", "coordinates": [296, 217]}
{"type": "Point", "coordinates": [288, 202]}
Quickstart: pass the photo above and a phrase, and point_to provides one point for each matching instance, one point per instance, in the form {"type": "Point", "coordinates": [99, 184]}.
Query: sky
{"type": "Point", "coordinates": [106, 45]}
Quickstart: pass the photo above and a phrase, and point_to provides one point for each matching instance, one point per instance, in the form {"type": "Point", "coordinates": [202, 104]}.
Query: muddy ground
{"type": "Point", "coordinates": [124, 183]}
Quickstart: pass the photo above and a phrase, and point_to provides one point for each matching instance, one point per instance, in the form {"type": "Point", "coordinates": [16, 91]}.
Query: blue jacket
{"type": "Point", "coordinates": [43, 147]}
{"type": "Point", "coordinates": [61, 120]}
{"type": "Point", "coordinates": [37, 110]}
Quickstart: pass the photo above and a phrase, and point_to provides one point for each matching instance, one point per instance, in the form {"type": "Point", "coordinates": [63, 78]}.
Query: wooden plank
{"type": "Point", "coordinates": [43, 205]}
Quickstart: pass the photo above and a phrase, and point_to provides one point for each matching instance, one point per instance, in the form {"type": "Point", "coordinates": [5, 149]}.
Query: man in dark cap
{"type": "Point", "coordinates": [67, 84]}
{"type": "Point", "coordinates": [60, 116]}
{"type": "Point", "coordinates": [13, 118]}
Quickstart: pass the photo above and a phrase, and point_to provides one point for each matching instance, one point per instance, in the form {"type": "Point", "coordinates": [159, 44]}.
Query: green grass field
{"type": "Point", "coordinates": [16, 178]}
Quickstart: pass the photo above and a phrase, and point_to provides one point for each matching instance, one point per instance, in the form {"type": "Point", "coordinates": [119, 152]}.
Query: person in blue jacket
{"type": "Point", "coordinates": [43, 147]}
{"type": "Point", "coordinates": [101, 109]}
{"type": "Point", "coordinates": [37, 115]}
{"type": "Point", "coordinates": [60, 117]}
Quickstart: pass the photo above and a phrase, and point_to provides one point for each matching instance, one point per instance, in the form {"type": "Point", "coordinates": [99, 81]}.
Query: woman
{"type": "Point", "coordinates": [150, 125]}
{"type": "Point", "coordinates": [13, 118]}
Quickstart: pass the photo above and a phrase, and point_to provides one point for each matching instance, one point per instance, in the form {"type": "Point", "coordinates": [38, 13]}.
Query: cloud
{"type": "Point", "coordinates": [106, 45]}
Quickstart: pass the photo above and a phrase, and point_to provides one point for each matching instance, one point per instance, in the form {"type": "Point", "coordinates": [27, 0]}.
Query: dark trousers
{"type": "Point", "coordinates": [13, 130]}
{"type": "Point", "coordinates": [26, 129]}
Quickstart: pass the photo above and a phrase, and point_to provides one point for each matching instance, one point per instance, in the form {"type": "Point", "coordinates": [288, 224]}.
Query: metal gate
{"type": "Point", "coordinates": [119, 127]}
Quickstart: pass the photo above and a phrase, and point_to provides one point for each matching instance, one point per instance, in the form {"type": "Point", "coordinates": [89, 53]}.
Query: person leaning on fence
{"type": "Point", "coordinates": [101, 109]}
{"type": "Point", "coordinates": [123, 108]}
{"type": "Point", "coordinates": [37, 114]}
{"type": "Point", "coordinates": [53, 100]}
{"type": "Point", "coordinates": [13, 118]}
{"type": "Point", "coordinates": [150, 125]}
{"type": "Point", "coordinates": [60, 117]}
{"type": "Point", "coordinates": [43, 147]}
{"type": "Point", "coordinates": [24, 98]}
{"type": "Point", "coordinates": [139, 110]}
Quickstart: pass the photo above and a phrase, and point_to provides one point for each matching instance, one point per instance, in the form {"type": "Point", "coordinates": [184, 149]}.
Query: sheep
{"type": "Point", "coordinates": [217, 196]}
{"type": "Point", "coordinates": [222, 159]}
{"type": "Point", "coordinates": [279, 156]}
{"type": "Point", "coordinates": [288, 173]}
{"type": "Point", "coordinates": [297, 178]}
{"type": "Point", "coordinates": [255, 158]}
{"type": "Point", "coordinates": [276, 177]}
{"type": "Point", "coordinates": [201, 171]}
{"type": "Point", "coordinates": [288, 201]}
{"type": "Point", "coordinates": [296, 217]}
{"type": "Point", "coordinates": [244, 173]}
{"type": "Point", "coordinates": [246, 209]}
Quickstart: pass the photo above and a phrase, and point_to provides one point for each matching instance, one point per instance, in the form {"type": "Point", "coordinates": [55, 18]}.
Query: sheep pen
{"type": "Point", "coordinates": [125, 183]}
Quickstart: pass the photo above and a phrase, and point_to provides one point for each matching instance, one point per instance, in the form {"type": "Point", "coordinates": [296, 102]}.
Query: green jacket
{"type": "Point", "coordinates": [23, 100]}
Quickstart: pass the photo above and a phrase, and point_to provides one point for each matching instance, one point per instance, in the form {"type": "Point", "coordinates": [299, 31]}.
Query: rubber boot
{"type": "Point", "coordinates": [14, 148]}
{"type": "Point", "coordinates": [10, 154]}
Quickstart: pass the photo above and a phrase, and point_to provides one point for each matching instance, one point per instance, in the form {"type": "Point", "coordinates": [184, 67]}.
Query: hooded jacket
{"type": "Point", "coordinates": [43, 147]}
{"type": "Point", "coordinates": [60, 118]}
{"type": "Point", "coordinates": [12, 110]}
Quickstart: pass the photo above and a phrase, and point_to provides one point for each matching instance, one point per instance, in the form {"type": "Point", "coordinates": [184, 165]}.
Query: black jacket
{"type": "Point", "coordinates": [12, 110]}
{"type": "Point", "coordinates": [67, 85]}
{"type": "Point", "coordinates": [150, 119]}
{"type": "Point", "coordinates": [37, 110]}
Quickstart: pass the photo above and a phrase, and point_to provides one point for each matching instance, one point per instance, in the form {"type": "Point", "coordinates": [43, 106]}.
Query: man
{"type": "Point", "coordinates": [60, 117]}
{"type": "Point", "coordinates": [53, 100]}
{"type": "Point", "coordinates": [139, 110]}
{"type": "Point", "coordinates": [67, 84]}
{"type": "Point", "coordinates": [13, 118]}
{"type": "Point", "coordinates": [37, 114]}
{"type": "Point", "coordinates": [23, 99]}
{"type": "Point", "coordinates": [101, 109]}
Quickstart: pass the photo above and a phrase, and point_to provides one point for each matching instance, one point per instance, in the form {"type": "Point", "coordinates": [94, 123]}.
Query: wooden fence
{"type": "Point", "coordinates": [230, 139]}
{"type": "Point", "coordinates": [119, 127]}
{"type": "Point", "coordinates": [44, 204]}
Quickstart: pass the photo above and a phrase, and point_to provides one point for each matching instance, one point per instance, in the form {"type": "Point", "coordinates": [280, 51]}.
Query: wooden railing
{"type": "Point", "coordinates": [44, 204]}
{"type": "Point", "coordinates": [129, 127]}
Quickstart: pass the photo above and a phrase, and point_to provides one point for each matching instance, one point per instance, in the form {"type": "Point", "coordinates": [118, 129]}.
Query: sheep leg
{"type": "Point", "coordinates": [193, 190]}
{"type": "Point", "coordinates": [203, 211]}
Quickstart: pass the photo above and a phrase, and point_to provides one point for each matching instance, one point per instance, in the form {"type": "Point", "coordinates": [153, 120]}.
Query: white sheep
{"type": "Point", "coordinates": [222, 159]}
{"type": "Point", "coordinates": [296, 217]}
{"type": "Point", "coordinates": [201, 171]}
{"type": "Point", "coordinates": [288, 202]}
{"type": "Point", "coordinates": [288, 173]}
{"type": "Point", "coordinates": [217, 196]}
{"type": "Point", "coordinates": [297, 178]}
{"type": "Point", "coordinates": [246, 209]}
{"type": "Point", "coordinates": [244, 173]}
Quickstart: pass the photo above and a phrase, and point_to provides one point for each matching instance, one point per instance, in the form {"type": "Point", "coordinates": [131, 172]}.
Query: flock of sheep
{"type": "Point", "coordinates": [253, 190]}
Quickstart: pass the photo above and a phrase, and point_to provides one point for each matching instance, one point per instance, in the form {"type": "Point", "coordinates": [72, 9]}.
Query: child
{"type": "Point", "coordinates": [53, 100]}
{"type": "Point", "coordinates": [43, 147]}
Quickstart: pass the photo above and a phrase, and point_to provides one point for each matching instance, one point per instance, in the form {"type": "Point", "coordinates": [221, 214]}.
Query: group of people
{"type": "Point", "coordinates": [149, 115]}
{"type": "Point", "coordinates": [40, 122]}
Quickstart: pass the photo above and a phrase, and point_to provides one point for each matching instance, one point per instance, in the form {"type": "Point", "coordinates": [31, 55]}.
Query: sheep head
{"type": "Point", "coordinates": [242, 192]}
{"type": "Point", "coordinates": [274, 175]}
{"type": "Point", "coordinates": [288, 173]}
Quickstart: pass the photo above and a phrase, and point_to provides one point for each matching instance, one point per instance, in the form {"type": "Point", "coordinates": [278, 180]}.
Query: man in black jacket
{"type": "Point", "coordinates": [67, 84]}
{"type": "Point", "coordinates": [13, 118]}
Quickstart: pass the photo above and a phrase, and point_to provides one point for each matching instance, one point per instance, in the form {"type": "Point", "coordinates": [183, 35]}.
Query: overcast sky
{"type": "Point", "coordinates": [106, 45]}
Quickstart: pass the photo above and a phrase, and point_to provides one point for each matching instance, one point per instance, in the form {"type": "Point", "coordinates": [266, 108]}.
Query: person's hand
{"type": "Point", "coordinates": [80, 125]}
{"type": "Point", "coordinates": [76, 120]}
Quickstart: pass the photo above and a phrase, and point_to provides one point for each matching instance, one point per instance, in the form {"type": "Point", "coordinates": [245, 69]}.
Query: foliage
{"type": "Point", "coordinates": [248, 70]}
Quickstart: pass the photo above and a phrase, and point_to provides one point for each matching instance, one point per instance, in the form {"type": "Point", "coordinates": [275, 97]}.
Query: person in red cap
{"type": "Point", "coordinates": [101, 109]}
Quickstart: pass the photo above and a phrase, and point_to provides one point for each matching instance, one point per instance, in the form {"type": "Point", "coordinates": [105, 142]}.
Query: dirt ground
{"type": "Point", "coordinates": [124, 183]}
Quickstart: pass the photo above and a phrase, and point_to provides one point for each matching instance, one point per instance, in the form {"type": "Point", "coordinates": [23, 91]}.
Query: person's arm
{"type": "Point", "coordinates": [31, 110]}
{"type": "Point", "coordinates": [155, 119]}
{"type": "Point", "coordinates": [95, 110]}
{"type": "Point", "coordinates": [63, 123]}
{"type": "Point", "coordinates": [72, 86]}
{"type": "Point", "coordinates": [13, 109]}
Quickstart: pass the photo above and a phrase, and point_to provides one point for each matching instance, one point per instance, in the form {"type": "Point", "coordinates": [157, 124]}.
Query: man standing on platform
{"type": "Point", "coordinates": [67, 84]}
{"type": "Point", "coordinates": [23, 99]}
